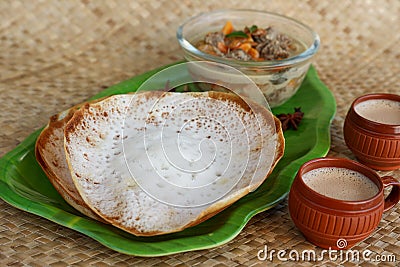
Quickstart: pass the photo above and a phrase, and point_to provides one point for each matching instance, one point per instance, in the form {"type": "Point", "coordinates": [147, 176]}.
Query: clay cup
{"type": "Point", "coordinates": [336, 223]}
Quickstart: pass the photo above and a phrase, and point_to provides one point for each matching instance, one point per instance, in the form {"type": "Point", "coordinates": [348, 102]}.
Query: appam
{"type": "Point", "coordinates": [158, 162]}
{"type": "Point", "coordinates": [50, 155]}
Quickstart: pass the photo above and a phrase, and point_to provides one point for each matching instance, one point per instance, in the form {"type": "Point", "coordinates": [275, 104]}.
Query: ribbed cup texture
{"type": "Point", "coordinates": [377, 151]}
{"type": "Point", "coordinates": [324, 226]}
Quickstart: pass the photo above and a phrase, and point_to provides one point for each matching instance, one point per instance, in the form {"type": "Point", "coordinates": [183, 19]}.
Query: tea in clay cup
{"type": "Point", "coordinates": [372, 130]}
{"type": "Point", "coordinates": [337, 202]}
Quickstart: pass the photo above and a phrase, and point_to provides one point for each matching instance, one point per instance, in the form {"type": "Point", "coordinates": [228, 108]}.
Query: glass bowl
{"type": "Point", "coordinates": [277, 79]}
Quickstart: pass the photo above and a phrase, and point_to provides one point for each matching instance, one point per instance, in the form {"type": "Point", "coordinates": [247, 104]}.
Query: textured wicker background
{"type": "Point", "coordinates": [54, 54]}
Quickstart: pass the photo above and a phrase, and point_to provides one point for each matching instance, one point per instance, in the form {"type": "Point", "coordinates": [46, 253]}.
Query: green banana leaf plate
{"type": "Point", "coordinates": [24, 185]}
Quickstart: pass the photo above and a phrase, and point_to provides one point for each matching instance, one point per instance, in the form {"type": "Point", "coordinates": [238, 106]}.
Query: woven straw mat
{"type": "Point", "coordinates": [54, 54]}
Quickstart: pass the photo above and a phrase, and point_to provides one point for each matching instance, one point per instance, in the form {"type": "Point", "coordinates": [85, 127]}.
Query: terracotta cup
{"type": "Point", "coordinates": [375, 144]}
{"type": "Point", "coordinates": [337, 224]}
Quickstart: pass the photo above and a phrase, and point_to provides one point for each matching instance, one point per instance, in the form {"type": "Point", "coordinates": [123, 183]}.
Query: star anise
{"type": "Point", "coordinates": [291, 120]}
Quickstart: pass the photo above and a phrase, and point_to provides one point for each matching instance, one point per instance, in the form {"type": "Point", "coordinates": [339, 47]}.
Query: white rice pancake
{"type": "Point", "coordinates": [155, 163]}
{"type": "Point", "coordinates": [50, 155]}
